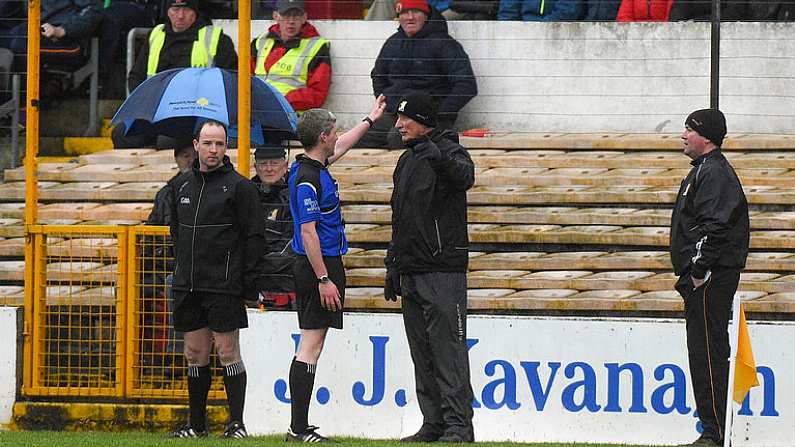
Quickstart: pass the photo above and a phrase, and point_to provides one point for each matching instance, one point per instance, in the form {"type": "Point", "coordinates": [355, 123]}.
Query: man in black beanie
{"type": "Point", "coordinates": [709, 245]}
{"type": "Point", "coordinates": [426, 264]}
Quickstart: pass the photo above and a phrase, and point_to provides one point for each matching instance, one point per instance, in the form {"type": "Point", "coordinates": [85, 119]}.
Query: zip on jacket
{"type": "Point", "coordinates": [193, 234]}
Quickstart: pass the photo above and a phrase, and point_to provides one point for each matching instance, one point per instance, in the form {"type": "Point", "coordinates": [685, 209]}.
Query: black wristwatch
{"type": "Point", "coordinates": [323, 279]}
{"type": "Point", "coordinates": [367, 120]}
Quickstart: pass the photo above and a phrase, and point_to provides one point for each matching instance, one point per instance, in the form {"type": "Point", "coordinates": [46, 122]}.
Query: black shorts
{"type": "Point", "coordinates": [311, 314]}
{"type": "Point", "coordinates": [197, 310]}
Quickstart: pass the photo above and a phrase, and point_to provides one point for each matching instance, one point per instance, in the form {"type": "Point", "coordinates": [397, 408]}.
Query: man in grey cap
{"type": "Point", "coordinates": [292, 57]}
{"type": "Point", "coordinates": [276, 284]}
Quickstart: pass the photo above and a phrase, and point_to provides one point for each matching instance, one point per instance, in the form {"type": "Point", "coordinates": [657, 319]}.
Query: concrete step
{"type": "Point", "coordinates": [86, 145]}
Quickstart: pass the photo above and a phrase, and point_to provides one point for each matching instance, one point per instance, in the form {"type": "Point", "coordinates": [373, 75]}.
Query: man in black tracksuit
{"type": "Point", "coordinates": [709, 245]}
{"type": "Point", "coordinates": [218, 238]}
{"type": "Point", "coordinates": [427, 264]}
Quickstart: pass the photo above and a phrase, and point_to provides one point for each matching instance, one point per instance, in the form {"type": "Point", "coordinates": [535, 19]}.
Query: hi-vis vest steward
{"type": "Point", "coordinates": [292, 70]}
{"type": "Point", "coordinates": [202, 54]}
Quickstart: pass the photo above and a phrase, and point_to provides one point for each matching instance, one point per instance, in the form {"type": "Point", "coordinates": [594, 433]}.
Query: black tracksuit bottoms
{"type": "Point", "coordinates": [707, 313]}
{"type": "Point", "coordinates": [435, 315]}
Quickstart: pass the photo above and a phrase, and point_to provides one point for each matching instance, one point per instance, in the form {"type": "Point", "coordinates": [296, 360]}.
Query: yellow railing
{"type": "Point", "coordinates": [89, 330]}
{"type": "Point", "coordinates": [99, 315]}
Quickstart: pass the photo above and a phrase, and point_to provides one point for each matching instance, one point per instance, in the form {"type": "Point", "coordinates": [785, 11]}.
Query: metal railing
{"type": "Point", "coordinates": [98, 322]}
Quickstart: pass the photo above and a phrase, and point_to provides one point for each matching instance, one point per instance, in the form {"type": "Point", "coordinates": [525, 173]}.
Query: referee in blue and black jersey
{"type": "Point", "coordinates": [319, 241]}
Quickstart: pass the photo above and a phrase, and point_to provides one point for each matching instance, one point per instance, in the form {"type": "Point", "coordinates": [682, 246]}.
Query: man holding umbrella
{"type": "Point", "coordinates": [186, 39]}
{"type": "Point", "coordinates": [218, 238]}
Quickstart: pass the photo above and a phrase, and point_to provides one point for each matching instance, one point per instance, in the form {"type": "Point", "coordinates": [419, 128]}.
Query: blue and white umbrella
{"type": "Point", "coordinates": [172, 102]}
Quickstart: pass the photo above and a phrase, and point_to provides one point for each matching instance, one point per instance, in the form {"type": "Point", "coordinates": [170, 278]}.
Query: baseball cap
{"type": "Point", "coordinates": [282, 6]}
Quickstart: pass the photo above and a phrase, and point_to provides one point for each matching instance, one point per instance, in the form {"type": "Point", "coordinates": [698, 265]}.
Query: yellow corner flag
{"type": "Point", "coordinates": [745, 367]}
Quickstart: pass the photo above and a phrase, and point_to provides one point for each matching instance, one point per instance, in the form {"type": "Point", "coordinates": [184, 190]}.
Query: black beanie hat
{"type": "Point", "coordinates": [192, 4]}
{"type": "Point", "coordinates": [419, 107]}
{"type": "Point", "coordinates": [709, 123]}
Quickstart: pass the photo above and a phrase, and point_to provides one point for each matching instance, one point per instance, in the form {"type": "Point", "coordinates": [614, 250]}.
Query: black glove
{"type": "Point", "coordinates": [392, 286]}
{"type": "Point", "coordinates": [425, 149]}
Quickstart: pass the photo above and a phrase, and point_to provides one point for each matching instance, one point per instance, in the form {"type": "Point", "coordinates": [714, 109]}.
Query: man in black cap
{"type": "Point", "coordinates": [186, 39]}
{"type": "Point", "coordinates": [426, 264]}
{"type": "Point", "coordinates": [709, 245]}
{"type": "Point", "coordinates": [276, 284]}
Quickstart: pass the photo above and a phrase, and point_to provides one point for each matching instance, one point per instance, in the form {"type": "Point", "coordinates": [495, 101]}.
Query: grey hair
{"type": "Point", "coordinates": [312, 123]}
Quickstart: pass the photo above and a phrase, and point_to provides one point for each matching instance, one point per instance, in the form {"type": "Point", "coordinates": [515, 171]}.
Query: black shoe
{"type": "Point", "coordinates": [188, 432]}
{"type": "Point", "coordinates": [704, 442]}
{"type": "Point", "coordinates": [235, 430]}
{"type": "Point", "coordinates": [307, 435]}
{"type": "Point", "coordinates": [459, 435]}
{"type": "Point", "coordinates": [426, 433]}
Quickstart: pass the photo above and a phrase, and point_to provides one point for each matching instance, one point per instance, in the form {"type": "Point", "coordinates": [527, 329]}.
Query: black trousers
{"type": "Point", "coordinates": [434, 315]}
{"type": "Point", "coordinates": [707, 312]}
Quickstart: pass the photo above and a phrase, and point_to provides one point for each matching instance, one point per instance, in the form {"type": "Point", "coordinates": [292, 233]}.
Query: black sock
{"type": "Point", "coordinates": [302, 380]}
{"type": "Point", "coordinates": [199, 379]}
{"type": "Point", "coordinates": [235, 383]}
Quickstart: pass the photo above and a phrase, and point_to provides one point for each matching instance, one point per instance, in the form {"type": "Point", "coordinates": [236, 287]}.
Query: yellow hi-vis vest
{"type": "Point", "coordinates": [202, 54]}
{"type": "Point", "coordinates": [292, 70]}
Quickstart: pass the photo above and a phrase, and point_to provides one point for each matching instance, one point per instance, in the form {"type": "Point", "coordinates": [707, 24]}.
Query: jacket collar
{"type": "Point", "coordinates": [226, 167]}
{"type": "Point", "coordinates": [436, 23]}
{"type": "Point", "coordinates": [200, 23]}
{"type": "Point", "coordinates": [303, 159]}
{"type": "Point", "coordinates": [715, 153]}
{"type": "Point", "coordinates": [439, 133]}
{"type": "Point", "coordinates": [281, 184]}
{"type": "Point", "coordinates": [307, 31]}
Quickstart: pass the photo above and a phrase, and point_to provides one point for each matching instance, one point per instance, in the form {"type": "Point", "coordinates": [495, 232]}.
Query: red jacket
{"type": "Point", "coordinates": [644, 10]}
{"type": "Point", "coordinates": [319, 76]}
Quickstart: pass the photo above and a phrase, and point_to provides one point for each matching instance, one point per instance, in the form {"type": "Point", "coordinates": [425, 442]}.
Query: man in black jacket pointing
{"type": "Point", "coordinates": [219, 238]}
{"type": "Point", "coordinates": [426, 265]}
{"type": "Point", "coordinates": [709, 244]}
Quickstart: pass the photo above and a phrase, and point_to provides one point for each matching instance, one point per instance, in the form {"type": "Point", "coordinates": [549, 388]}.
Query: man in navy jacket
{"type": "Point", "coordinates": [420, 57]}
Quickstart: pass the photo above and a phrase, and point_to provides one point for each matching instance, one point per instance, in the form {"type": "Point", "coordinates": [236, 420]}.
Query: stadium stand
{"type": "Point", "coordinates": [559, 223]}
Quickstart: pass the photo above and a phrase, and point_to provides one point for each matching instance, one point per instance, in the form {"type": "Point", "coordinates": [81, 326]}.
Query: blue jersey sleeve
{"type": "Point", "coordinates": [308, 204]}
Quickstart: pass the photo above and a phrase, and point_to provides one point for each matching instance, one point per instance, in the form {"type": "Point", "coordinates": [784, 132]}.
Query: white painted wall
{"type": "Point", "coordinates": [348, 370]}
{"type": "Point", "coordinates": [8, 362]}
{"type": "Point", "coordinates": [589, 77]}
